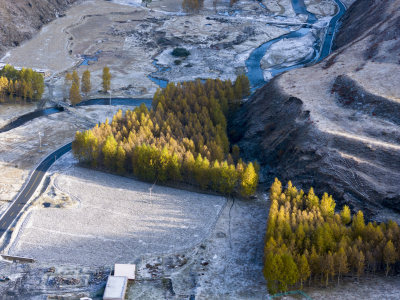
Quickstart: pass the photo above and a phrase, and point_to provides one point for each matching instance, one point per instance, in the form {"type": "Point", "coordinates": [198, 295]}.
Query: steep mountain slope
{"type": "Point", "coordinates": [19, 19]}
{"type": "Point", "coordinates": [336, 125]}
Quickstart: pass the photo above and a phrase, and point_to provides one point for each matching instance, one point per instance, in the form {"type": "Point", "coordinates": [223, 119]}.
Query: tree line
{"type": "Point", "coordinates": [77, 86]}
{"type": "Point", "coordinates": [307, 241]}
{"type": "Point", "coordinates": [183, 138]}
{"type": "Point", "coordinates": [20, 84]}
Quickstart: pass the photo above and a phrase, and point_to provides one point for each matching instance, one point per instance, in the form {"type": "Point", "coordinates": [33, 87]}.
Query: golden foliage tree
{"type": "Point", "coordinates": [389, 255]}
{"type": "Point", "coordinates": [249, 181]}
{"type": "Point", "coordinates": [106, 79]}
{"type": "Point", "coordinates": [24, 83]}
{"type": "Point", "coordinates": [86, 83]}
{"type": "Point", "coordinates": [182, 138]}
{"type": "Point", "coordinates": [74, 95]}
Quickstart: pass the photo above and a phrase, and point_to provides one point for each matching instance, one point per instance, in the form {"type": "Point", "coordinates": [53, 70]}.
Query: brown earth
{"type": "Point", "coordinates": [20, 19]}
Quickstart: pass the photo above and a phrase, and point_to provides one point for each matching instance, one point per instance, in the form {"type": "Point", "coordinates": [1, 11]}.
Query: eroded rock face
{"type": "Point", "coordinates": [20, 19]}
{"type": "Point", "coordinates": [335, 125]}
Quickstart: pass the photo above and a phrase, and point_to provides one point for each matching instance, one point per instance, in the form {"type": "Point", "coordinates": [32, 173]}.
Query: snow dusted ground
{"type": "Point", "coordinates": [126, 36]}
{"type": "Point", "coordinates": [280, 7]}
{"type": "Point", "coordinates": [11, 111]}
{"type": "Point", "coordinates": [369, 287]}
{"type": "Point", "coordinates": [226, 265]}
{"type": "Point", "coordinates": [321, 7]}
{"type": "Point", "coordinates": [116, 219]}
{"type": "Point", "coordinates": [287, 51]}
{"type": "Point", "coordinates": [19, 148]}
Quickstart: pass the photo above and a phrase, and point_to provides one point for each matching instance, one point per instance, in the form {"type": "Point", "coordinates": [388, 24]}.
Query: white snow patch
{"type": "Point", "coordinates": [287, 51]}
{"type": "Point", "coordinates": [117, 219]}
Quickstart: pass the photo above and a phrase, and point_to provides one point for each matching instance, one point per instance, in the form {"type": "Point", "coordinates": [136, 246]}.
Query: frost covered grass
{"type": "Point", "coordinates": [19, 148]}
{"type": "Point", "coordinates": [373, 288]}
{"type": "Point", "coordinates": [117, 220]}
{"type": "Point", "coordinates": [226, 265]}
{"type": "Point", "coordinates": [10, 111]}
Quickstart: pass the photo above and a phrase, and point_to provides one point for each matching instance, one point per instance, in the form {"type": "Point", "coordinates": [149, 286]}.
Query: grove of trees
{"type": "Point", "coordinates": [73, 82]}
{"type": "Point", "coordinates": [307, 241]}
{"type": "Point", "coordinates": [20, 84]}
{"type": "Point", "coordinates": [183, 138]}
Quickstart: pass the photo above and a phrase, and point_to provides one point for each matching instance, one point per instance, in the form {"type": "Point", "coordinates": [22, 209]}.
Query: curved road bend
{"type": "Point", "coordinates": [22, 199]}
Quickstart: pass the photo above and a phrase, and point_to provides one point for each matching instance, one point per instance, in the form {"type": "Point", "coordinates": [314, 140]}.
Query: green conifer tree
{"type": "Point", "coordinates": [345, 215]}
{"type": "Point", "coordinates": [389, 255]}
{"type": "Point", "coordinates": [109, 151]}
{"type": "Point", "coordinates": [106, 79]}
{"type": "Point", "coordinates": [74, 95]}
{"type": "Point", "coordinates": [120, 159]}
{"type": "Point", "coordinates": [341, 264]}
{"type": "Point", "coordinates": [249, 181]}
{"type": "Point", "coordinates": [75, 78]}
{"type": "Point", "coordinates": [86, 84]}
{"type": "Point", "coordinates": [304, 269]}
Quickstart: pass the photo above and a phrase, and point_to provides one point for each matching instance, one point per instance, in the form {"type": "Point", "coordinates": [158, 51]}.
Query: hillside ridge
{"type": "Point", "coordinates": [335, 125]}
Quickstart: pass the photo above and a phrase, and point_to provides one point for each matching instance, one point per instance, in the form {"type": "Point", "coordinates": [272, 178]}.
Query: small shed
{"type": "Point", "coordinates": [127, 270]}
{"type": "Point", "coordinates": [115, 288]}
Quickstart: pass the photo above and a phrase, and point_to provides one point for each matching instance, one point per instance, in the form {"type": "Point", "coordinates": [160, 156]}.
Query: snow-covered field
{"type": "Point", "coordinates": [321, 7]}
{"type": "Point", "coordinates": [226, 265]}
{"type": "Point", "coordinates": [19, 148]}
{"type": "Point", "coordinates": [287, 51]}
{"type": "Point", "coordinates": [369, 287]}
{"type": "Point", "coordinates": [9, 112]}
{"type": "Point", "coordinates": [115, 219]}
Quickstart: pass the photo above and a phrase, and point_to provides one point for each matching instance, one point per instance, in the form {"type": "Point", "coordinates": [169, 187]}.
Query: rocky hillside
{"type": "Point", "coordinates": [336, 125]}
{"type": "Point", "coordinates": [20, 19]}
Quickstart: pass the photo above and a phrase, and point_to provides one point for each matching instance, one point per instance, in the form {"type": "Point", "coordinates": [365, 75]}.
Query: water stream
{"type": "Point", "coordinates": [89, 58]}
{"type": "Point", "coordinates": [30, 116]}
{"type": "Point", "coordinates": [162, 83]}
{"type": "Point", "coordinates": [253, 64]}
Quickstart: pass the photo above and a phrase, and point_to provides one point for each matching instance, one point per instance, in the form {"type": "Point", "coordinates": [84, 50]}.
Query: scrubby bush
{"type": "Point", "coordinates": [180, 52]}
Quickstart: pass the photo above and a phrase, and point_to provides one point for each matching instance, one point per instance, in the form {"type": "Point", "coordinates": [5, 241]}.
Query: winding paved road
{"type": "Point", "coordinates": [36, 177]}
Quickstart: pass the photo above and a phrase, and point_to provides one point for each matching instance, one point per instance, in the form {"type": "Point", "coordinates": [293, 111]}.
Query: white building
{"type": "Point", "coordinates": [126, 270]}
{"type": "Point", "coordinates": [115, 288]}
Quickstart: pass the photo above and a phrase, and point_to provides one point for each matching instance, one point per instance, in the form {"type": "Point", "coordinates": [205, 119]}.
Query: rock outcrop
{"type": "Point", "coordinates": [335, 125]}
{"type": "Point", "coordinates": [20, 19]}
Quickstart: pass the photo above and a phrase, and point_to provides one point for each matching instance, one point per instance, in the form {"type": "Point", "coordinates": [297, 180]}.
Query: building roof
{"type": "Point", "coordinates": [126, 270]}
{"type": "Point", "coordinates": [115, 288]}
